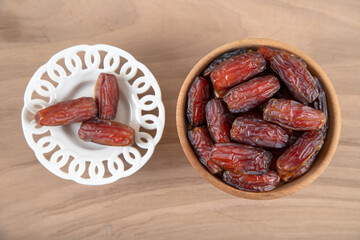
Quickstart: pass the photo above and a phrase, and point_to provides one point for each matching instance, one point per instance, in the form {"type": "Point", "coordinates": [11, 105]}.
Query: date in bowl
{"type": "Point", "coordinates": [325, 154]}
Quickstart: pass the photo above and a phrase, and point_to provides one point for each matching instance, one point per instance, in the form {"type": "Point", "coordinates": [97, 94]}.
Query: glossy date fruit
{"type": "Point", "coordinates": [236, 70]}
{"type": "Point", "coordinates": [293, 115]}
{"type": "Point", "coordinates": [223, 58]}
{"type": "Point", "coordinates": [252, 182]}
{"type": "Point", "coordinates": [240, 158]}
{"type": "Point", "coordinates": [295, 75]}
{"type": "Point", "coordinates": [219, 94]}
{"type": "Point", "coordinates": [297, 159]}
{"type": "Point", "coordinates": [290, 176]}
{"type": "Point", "coordinates": [258, 133]}
{"type": "Point", "coordinates": [107, 95]}
{"type": "Point", "coordinates": [218, 121]}
{"type": "Point", "coordinates": [249, 95]}
{"type": "Point", "coordinates": [321, 104]}
{"type": "Point", "coordinates": [267, 53]}
{"type": "Point", "coordinates": [67, 112]}
{"type": "Point", "coordinates": [198, 96]}
{"type": "Point", "coordinates": [266, 118]}
{"type": "Point", "coordinates": [106, 132]}
{"type": "Point", "coordinates": [202, 144]}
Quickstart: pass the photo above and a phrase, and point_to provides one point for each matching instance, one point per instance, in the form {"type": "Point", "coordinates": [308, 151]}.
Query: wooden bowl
{"type": "Point", "coordinates": [326, 153]}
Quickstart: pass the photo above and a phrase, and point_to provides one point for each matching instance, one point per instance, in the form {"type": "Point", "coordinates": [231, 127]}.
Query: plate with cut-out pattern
{"type": "Point", "coordinates": [72, 73]}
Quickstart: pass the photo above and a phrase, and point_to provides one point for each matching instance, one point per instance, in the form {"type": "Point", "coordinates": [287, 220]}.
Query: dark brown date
{"type": "Point", "coordinates": [218, 121]}
{"type": "Point", "coordinates": [106, 132]}
{"type": "Point", "coordinates": [240, 158]}
{"type": "Point", "coordinates": [321, 104]}
{"type": "Point", "coordinates": [251, 182]}
{"type": "Point", "coordinates": [236, 70]}
{"type": "Point", "coordinates": [198, 96]}
{"type": "Point", "coordinates": [67, 112]}
{"type": "Point", "coordinates": [296, 76]}
{"type": "Point", "coordinates": [258, 133]}
{"type": "Point", "coordinates": [202, 144]}
{"type": "Point", "coordinates": [107, 95]}
{"type": "Point", "coordinates": [293, 115]}
{"type": "Point", "coordinates": [297, 159]}
{"type": "Point", "coordinates": [249, 95]}
{"type": "Point", "coordinates": [223, 58]}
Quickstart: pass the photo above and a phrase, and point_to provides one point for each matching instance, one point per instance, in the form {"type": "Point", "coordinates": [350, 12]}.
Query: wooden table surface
{"type": "Point", "coordinates": [167, 199]}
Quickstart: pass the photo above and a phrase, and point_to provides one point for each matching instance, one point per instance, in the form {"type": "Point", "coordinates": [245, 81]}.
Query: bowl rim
{"type": "Point", "coordinates": [331, 140]}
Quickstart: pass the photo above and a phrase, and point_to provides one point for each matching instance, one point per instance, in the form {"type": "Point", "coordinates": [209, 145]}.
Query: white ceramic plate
{"type": "Point", "coordinates": [72, 73]}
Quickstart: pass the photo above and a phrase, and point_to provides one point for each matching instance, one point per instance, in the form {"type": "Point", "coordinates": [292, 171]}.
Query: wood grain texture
{"type": "Point", "coordinates": [167, 199]}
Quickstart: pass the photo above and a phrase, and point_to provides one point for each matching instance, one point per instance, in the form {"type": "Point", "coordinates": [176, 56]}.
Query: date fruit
{"type": "Point", "coordinates": [295, 75]}
{"type": "Point", "coordinates": [267, 53]}
{"type": "Point", "coordinates": [67, 112]}
{"type": "Point", "coordinates": [293, 115]}
{"type": "Point", "coordinates": [218, 121]}
{"type": "Point", "coordinates": [266, 117]}
{"type": "Point", "coordinates": [252, 182]}
{"type": "Point", "coordinates": [107, 95]}
{"type": "Point", "coordinates": [219, 94]}
{"type": "Point", "coordinates": [258, 133]}
{"type": "Point", "coordinates": [223, 58]}
{"type": "Point", "coordinates": [240, 158]}
{"type": "Point", "coordinates": [297, 159]}
{"type": "Point", "coordinates": [202, 144]}
{"type": "Point", "coordinates": [106, 132]}
{"type": "Point", "coordinates": [236, 70]}
{"type": "Point", "coordinates": [321, 104]}
{"type": "Point", "coordinates": [247, 96]}
{"type": "Point", "coordinates": [198, 96]}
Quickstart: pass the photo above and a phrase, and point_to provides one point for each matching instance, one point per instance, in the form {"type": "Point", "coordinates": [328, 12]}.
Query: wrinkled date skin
{"type": "Point", "coordinates": [297, 159]}
{"type": "Point", "coordinates": [67, 112]}
{"type": "Point", "coordinates": [321, 104]}
{"type": "Point", "coordinates": [202, 144]}
{"type": "Point", "coordinates": [296, 76]}
{"type": "Point", "coordinates": [293, 115]}
{"type": "Point", "coordinates": [251, 182]}
{"type": "Point", "coordinates": [107, 95]}
{"type": "Point", "coordinates": [223, 58]}
{"type": "Point", "coordinates": [240, 158]}
{"type": "Point", "coordinates": [218, 121]}
{"type": "Point", "coordinates": [106, 132]}
{"type": "Point", "coordinates": [258, 133]}
{"type": "Point", "coordinates": [247, 96]}
{"type": "Point", "coordinates": [290, 176]}
{"type": "Point", "coordinates": [267, 53]}
{"type": "Point", "coordinates": [236, 70]}
{"type": "Point", "coordinates": [198, 96]}
{"type": "Point", "coordinates": [266, 117]}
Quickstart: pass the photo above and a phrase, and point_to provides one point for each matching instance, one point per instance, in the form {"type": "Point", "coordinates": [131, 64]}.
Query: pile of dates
{"type": "Point", "coordinates": [257, 118]}
{"type": "Point", "coordinates": [95, 114]}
